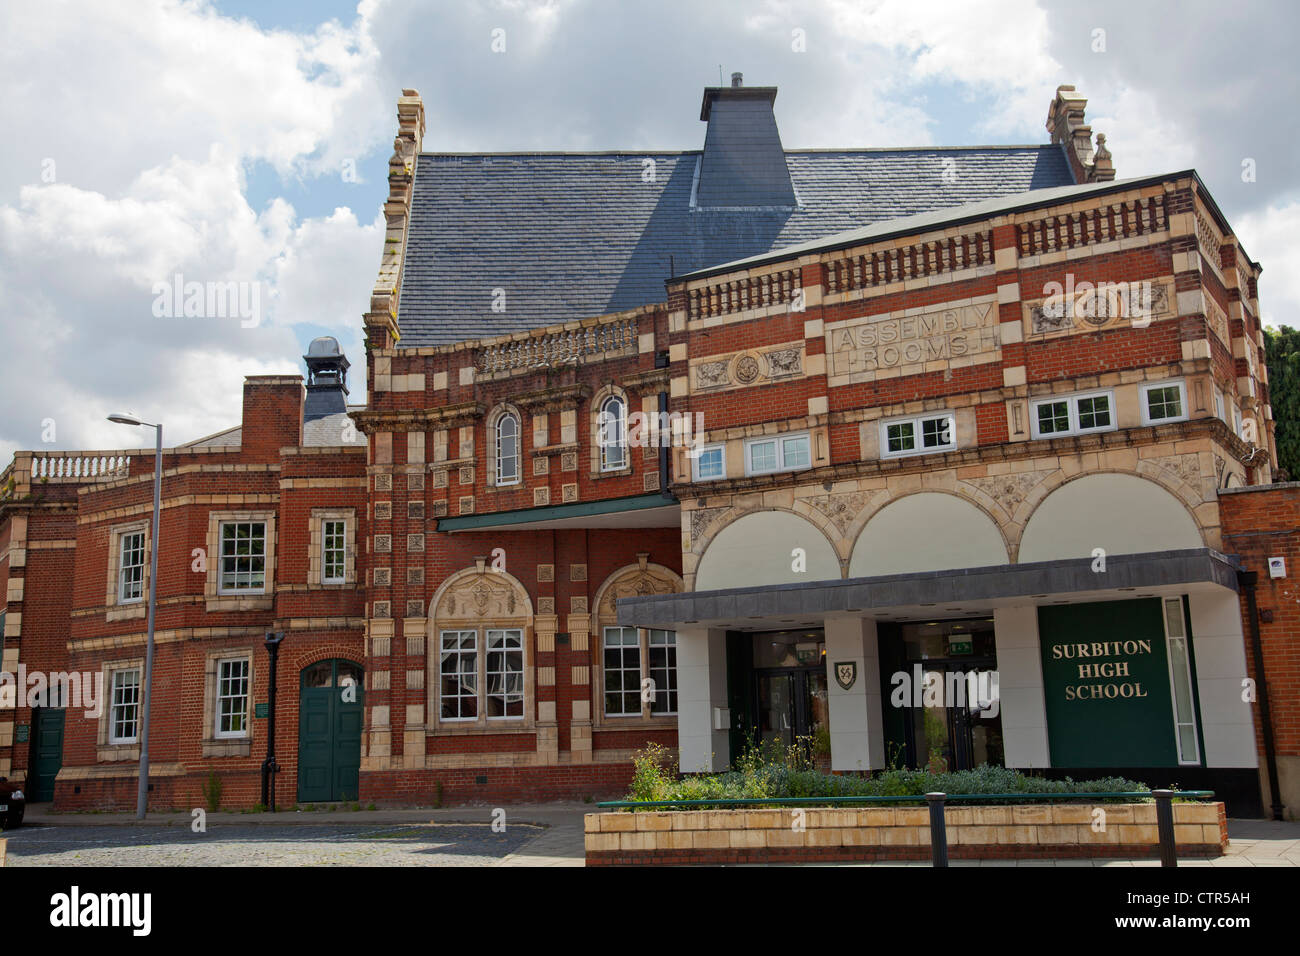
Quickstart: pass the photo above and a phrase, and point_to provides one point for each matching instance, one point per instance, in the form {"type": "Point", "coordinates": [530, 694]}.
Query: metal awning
{"type": "Point", "coordinates": [930, 594]}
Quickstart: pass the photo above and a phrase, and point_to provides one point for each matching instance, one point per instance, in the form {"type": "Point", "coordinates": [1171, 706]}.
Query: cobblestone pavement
{"type": "Point", "coordinates": [428, 844]}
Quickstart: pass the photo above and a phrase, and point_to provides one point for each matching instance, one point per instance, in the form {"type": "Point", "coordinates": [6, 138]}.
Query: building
{"type": "Point", "coordinates": [940, 456]}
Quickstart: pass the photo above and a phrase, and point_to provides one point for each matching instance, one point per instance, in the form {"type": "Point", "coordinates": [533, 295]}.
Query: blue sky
{"type": "Point", "coordinates": [211, 138]}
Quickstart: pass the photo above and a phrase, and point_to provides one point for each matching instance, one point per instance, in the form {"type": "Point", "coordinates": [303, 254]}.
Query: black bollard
{"type": "Point", "coordinates": [938, 830]}
{"type": "Point", "coordinates": [1165, 826]}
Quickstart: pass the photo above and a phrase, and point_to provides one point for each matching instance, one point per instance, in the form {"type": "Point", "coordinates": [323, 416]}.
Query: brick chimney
{"type": "Point", "coordinates": [1066, 126]}
{"type": "Point", "coordinates": [272, 417]}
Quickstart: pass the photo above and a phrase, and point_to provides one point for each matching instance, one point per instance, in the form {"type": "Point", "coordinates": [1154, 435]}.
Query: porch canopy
{"type": "Point", "coordinates": [928, 594]}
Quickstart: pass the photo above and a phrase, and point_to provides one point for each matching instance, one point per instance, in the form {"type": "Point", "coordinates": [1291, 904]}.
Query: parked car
{"type": "Point", "coordinates": [13, 804]}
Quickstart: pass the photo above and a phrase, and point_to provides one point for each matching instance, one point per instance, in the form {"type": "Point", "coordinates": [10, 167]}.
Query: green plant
{"type": "Point", "coordinates": [821, 741]}
{"type": "Point", "coordinates": [212, 792]}
{"type": "Point", "coordinates": [437, 794]}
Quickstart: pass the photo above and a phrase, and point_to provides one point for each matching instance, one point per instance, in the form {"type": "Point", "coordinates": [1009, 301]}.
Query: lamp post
{"type": "Point", "coordinates": [142, 793]}
{"type": "Point", "coordinates": [269, 766]}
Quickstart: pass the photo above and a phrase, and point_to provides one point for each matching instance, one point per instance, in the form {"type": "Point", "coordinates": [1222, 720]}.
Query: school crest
{"type": "Point", "coordinates": [846, 672]}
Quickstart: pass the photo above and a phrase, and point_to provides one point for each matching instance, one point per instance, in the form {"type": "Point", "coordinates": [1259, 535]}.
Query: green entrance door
{"type": "Point", "coordinates": [47, 753]}
{"type": "Point", "coordinates": [329, 731]}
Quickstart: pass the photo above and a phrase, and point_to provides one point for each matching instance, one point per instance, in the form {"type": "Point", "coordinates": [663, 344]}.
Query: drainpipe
{"type": "Point", "coordinates": [1248, 580]}
{"type": "Point", "coordinates": [661, 361]}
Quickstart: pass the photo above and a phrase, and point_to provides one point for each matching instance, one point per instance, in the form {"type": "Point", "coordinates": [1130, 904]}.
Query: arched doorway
{"type": "Point", "coordinates": [329, 731]}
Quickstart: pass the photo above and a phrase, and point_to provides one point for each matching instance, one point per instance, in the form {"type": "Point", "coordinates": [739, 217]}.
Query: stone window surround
{"type": "Point", "coordinates": [316, 558]}
{"type": "Point", "coordinates": [597, 401]}
{"type": "Point", "coordinates": [230, 746]}
{"type": "Point", "coordinates": [599, 621]}
{"type": "Point", "coordinates": [128, 610]}
{"type": "Point", "coordinates": [254, 600]}
{"type": "Point", "coordinates": [490, 443]}
{"type": "Point", "coordinates": [105, 749]}
{"type": "Point", "coordinates": [436, 625]}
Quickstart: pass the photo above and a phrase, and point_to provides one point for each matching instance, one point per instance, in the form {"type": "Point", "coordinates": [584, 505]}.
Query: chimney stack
{"type": "Point", "coordinates": [737, 80]}
{"type": "Point", "coordinates": [743, 166]}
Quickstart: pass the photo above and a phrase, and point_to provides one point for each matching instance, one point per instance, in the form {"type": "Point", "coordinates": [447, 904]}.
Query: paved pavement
{"type": "Point", "coordinates": [541, 835]}
{"type": "Point", "coordinates": [535, 835]}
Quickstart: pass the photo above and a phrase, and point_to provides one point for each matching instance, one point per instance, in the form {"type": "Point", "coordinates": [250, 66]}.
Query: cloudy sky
{"type": "Point", "coordinates": [247, 141]}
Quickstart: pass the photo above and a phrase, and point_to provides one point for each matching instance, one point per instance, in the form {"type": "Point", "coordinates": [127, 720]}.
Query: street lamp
{"type": "Point", "coordinates": [142, 793]}
{"type": "Point", "coordinates": [269, 767]}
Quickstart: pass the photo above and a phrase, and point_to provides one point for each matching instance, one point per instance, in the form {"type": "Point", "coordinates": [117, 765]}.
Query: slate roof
{"type": "Point", "coordinates": [573, 235]}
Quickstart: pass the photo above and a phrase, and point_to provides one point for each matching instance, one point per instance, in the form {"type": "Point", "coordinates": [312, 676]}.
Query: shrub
{"type": "Point", "coordinates": [212, 792]}
{"type": "Point", "coordinates": [768, 770]}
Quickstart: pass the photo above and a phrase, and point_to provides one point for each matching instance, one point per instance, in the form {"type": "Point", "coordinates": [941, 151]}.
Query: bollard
{"type": "Point", "coordinates": [1165, 826]}
{"type": "Point", "coordinates": [938, 830]}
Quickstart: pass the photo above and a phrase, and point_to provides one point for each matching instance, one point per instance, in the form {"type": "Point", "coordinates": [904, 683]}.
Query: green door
{"type": "Point", "coordinates": [329, 731]}
{"type": "Point", "coordinates": [47, 753]}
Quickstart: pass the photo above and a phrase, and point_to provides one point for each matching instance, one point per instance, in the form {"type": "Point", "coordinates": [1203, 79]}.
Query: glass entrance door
{"type": "Point", "coordinates": [791, 705]}
{"type": "Point", "coordinates": [953, 714]}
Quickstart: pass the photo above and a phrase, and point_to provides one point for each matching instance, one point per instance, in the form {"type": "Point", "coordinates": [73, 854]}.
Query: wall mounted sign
{"type": "Point", "coordinates": [1106, 685]}
{"type": "Point", "coordinates": [261, 710]}
{"type": "Point", "coordinates": [846, 674]}
{"type": "Point", "coordinates": [909, 342]}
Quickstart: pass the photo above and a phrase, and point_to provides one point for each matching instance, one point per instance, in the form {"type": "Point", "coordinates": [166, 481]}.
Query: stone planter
{"type": "Point", "coordinates": [790, 835]}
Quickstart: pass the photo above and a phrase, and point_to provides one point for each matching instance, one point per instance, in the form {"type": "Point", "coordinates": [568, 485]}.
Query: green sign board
{"type": "Point", "coordinates": [261, 710]}
{"type": "Point", "coordinates": [1106, 684]}
{"type": "Point", "coordinates": [21, 733]}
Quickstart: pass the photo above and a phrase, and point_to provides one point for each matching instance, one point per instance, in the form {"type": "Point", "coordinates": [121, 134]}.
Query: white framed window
{"type": "Point", "coordinates": [710, 464]}
{"type": "Point", "coordinates": [124, 706]}
{"type": "Point", "coordinates": [243, 557]}
{"type": "Point", "coordinates": [611, 433]}
{"type": "Point", "coordinates": [1164, 402]}
{"type": "Point", "coordinates": [504, 672]}
{"type": "Point", "coordinates": [778, 453]}
{"type": "Point", "coordinates": [1236, 420]}
{"type": "Point", "coordinates": [232, 697]}
{"type": "Point", "coordinates": [628, 656]}
{"type": "Point", "coordinates": [333, 557]}
{"type": "Point", "coordinates": [1072, 415]}
{"type": "Point", "coordinates": [458, 675]}
{"type": "Point", "coordinates": [130, 568]}
{"type": "Point", "coordinates": [1218, 406]}
{"type": "Point", "coordinates": [622, 669]}
{"type": "Point", "coordinates": [916, 436]}
{"type": "Point", "coordinates": [1180, 683]}
{"type": "Point", "coordinates": [662, 661]}
{"type": "Point", "coordinates": [507, 449]}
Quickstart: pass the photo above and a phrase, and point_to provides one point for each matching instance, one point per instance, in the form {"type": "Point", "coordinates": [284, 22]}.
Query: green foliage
{"type": "Point", "coordinates": [1282, 355]}
{"type": "Point", "coordinates": [212, 792]}
{"type": "Point", "coordinates": [768, 770]}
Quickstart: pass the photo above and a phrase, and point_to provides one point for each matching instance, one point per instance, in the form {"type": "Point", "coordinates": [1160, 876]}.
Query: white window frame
{"type": "Point", "coordinates": [221, 695]}
{"type": "Point", "coordinates": [113, 704]}
{"type": "Point", "coordinates": [607, 460]}
{"type": "Point", "coordinates": [486, 694]}
{"type": "Point", "coordinates": [1237, 420]}
{"type": "Point", "coordinates": [502, 480]}
{"type": "Point", "coordinates": [325, 550]}
{"type": "Point", "coordinates": [1178, 646]}
{"type": "Point", "coordinates": [623, 650]}
{"type": "Point", "coordinates": [670, 691]}
{"type": "Point", "coordinates": [460, 652]}
{"type": "Point", "coordinates": [918, 432]}
{"type": "Point", "coordinates": [221, 556]}
{"type": "Point", "coordinates": [779, 442]}
{"type": "Point", "coordinates": [123, 567]}
{"type": "Point", "coordinates": [1150, 387]}
{"type": "Point", "coordinates": [697, 473]}
{"type": "Point", "coordinates": [1220, 411]}
{"type": "Point", "coordinates": [1072, 410]}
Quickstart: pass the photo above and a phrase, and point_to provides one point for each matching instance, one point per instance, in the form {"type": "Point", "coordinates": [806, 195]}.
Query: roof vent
{"type": "Point", "coordinates": [743, 166]}
{"type": "Point", "coordinates": [327, 375]}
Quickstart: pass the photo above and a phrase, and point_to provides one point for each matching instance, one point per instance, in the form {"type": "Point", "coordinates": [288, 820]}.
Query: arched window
{"type": "Point", "coordinates": [507, 449]}
{"type": "Point", "coordinates": [611, 431]}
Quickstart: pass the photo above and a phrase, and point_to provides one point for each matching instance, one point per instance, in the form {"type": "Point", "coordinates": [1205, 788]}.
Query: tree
{"type": "Point", "coordinates": [1282, 355]}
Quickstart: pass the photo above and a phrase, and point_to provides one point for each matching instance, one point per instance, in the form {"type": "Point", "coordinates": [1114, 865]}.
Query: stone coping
{"type": "Point", "coordinates": [810, 835]}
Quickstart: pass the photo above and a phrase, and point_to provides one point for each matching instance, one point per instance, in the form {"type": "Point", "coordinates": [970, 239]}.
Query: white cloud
{"type": "Point", "coordinates": [1272, 238]}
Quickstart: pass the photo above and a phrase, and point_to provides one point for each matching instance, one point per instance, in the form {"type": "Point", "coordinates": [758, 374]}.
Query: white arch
{"type": "Point", "coordinates": [927, 531]}
{"type": "Point", "coordinates": [1122, 514]}
{"type": "Point", "coordinates": [758, 548]}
